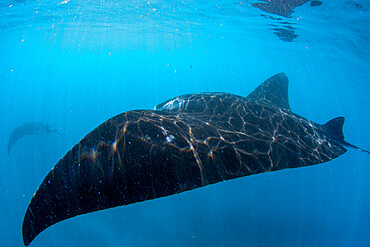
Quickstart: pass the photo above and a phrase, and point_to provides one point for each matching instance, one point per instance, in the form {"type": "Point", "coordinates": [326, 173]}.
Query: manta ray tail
{"type": "Point", "coordinates": [334, 129]}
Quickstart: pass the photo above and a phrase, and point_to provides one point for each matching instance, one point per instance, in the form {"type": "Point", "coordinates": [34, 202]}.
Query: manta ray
{"type": "Point", "coordinates": [184, 143]}
{"type": "Point", "coordinates": [279, 7]}
{"type": "Point", "coordinates": [29, 128]}
{"type": "Point", "coordinates": [283, 28]}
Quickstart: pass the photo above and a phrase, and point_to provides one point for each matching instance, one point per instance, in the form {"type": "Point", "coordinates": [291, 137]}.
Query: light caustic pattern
{"type": "Point", "coordinates": [222, 131]}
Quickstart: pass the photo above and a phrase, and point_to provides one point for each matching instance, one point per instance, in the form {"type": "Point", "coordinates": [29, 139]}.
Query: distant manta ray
{"type": "Point", "coordinates": [29, 128]}
{"type": "Point", "coordinates": [184, 143]}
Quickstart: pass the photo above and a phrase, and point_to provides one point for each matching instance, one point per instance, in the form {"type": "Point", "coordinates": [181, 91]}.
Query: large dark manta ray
{"type": "Point", "coordinates": [185, 143]}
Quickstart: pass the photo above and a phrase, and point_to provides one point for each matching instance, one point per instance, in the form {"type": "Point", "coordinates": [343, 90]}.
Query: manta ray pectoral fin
{"type": "Point", "coordinates": [334, 129]}
{"type": "Point", "coordinates": [273, 91]}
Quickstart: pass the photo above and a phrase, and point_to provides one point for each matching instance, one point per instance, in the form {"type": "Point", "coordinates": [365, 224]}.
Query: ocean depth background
{"type": "Point", "coordinates": [76, 63]}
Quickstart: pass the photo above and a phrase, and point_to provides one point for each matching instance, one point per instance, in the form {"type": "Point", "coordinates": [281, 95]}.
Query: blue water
{"type": "Point", "coordinates": [74, 64]}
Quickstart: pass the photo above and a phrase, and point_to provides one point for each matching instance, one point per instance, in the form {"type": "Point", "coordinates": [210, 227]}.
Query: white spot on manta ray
{"type": "Point", "coordinates": [170, 138]}
{"type": "Point", "coordinates": [319, 141]}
